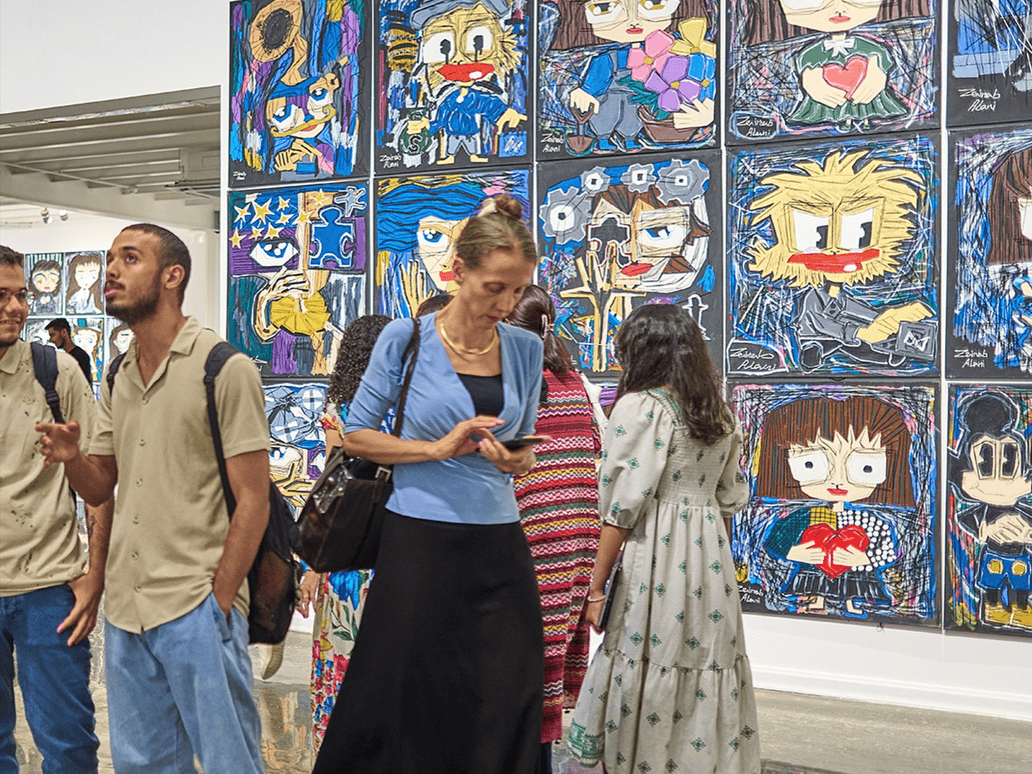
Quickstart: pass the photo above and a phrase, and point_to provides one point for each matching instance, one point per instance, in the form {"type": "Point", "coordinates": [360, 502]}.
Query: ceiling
{"type": "Point", "coordinates": [155, 157]}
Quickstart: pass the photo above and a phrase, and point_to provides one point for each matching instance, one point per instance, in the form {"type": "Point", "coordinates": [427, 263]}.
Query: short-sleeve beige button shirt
{"type": "Point", "coordinates": [39, 534]}
{"type": "Point", "coordinates": [171, 519]}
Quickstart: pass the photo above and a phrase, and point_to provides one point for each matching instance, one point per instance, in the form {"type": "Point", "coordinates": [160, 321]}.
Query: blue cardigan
{"type": "Point", "coordinates": [466, 489]}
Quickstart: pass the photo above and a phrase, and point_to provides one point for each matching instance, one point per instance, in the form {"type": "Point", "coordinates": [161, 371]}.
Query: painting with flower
{"type": "Point", "coordinates": [617, 237]}
{"type": "Point", "coordinates": [625, 76]}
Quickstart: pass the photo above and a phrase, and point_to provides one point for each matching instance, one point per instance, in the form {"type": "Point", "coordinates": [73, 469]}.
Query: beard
{"type": "Point", "coordinates": [140, 308]}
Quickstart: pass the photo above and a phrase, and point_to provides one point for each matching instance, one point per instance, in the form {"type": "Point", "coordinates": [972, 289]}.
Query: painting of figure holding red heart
{"type": "Point", "coordinates": [836, 453]}
{"type": "Point", "coordinates": [844, 76]}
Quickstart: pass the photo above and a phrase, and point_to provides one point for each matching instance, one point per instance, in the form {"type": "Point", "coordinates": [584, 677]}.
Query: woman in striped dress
{"type": "Point", "coordinates": [558, 502]}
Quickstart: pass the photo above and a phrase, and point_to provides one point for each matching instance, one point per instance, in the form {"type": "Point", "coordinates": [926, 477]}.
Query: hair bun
{"type": "Point", "coordinates": [504, 204]}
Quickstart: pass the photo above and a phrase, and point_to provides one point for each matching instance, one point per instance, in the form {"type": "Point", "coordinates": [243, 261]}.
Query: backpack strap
{"type": "Point", "coordinates": [112, 372]}
{"type": "Point", "coordinates": [217, 358]}
{"type": "Point", "coordinates": [44, 364]}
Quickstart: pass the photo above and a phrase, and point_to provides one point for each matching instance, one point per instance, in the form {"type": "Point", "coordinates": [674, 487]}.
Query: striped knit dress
{"type": "Point", "coordinates": [558, 503]}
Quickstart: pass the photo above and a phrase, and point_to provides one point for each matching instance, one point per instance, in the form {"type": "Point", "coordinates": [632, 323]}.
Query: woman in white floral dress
{"type": "Point", "coordinates": [670, 689]}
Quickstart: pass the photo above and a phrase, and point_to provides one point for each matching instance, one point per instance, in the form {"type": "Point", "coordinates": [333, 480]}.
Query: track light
{"type": "Point", "coordinates": [62, 214]}
{"type": "Point", "coordinates": [45, 214]}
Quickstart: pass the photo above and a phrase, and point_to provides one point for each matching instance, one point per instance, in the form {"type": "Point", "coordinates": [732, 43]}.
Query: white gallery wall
{"type": "Point", "coordinates": [68, 52]}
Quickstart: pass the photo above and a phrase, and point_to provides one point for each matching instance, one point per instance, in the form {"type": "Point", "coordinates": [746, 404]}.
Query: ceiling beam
{"type": "Point", "coordinates": [80, 163]}
{"type": "Point", "coordinates": [207, 95]}
{"type": "Point", "coordinates": [27, 139]}
{"type": "Point", "coordinates": [203, 138]}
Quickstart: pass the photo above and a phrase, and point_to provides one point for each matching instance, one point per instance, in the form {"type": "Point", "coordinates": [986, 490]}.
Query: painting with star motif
{"type": "Point", "coordinates": [418, 220]}
{"type": "Point", "coordinates": [297, 274]}
{"type": "Point", "coordinates": [627, 77]}
{"type": "Point", "coordinates": [453, 80]}
{"type": "Point", "coordinates": [299, 90]}
{"type": "Point", "coordinates": [823, 67]}
{"type": "Point", "coordinates": [617, 236]}
{"type": "Point", "coordinates": [841, 520]}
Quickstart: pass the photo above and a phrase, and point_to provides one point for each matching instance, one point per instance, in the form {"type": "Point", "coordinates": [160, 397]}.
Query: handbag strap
{"type": "Point", "coordinates": [411, 348]}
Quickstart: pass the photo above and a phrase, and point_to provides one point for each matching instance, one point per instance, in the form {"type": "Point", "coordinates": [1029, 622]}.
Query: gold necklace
{"type": "Point", "coordinates": [462, 350]}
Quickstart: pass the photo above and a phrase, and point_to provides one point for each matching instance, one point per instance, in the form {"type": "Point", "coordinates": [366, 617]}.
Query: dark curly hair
{"type": "Point", "coordinates": [356, 345]}
{"type": "Point", "coordinates": [659, 345]}
{"type": "Point", "coordinates": [535, 312]}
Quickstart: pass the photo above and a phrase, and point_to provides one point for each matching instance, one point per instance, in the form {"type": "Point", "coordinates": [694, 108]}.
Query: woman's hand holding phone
{"type": "Point", "coordinates": [515, 461]}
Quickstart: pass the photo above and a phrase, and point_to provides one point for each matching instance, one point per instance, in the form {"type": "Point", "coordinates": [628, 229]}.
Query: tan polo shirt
{"type": "Point", "coordinates": [170, 519]}
{"type": "Point", "coordinates": [39, 534]}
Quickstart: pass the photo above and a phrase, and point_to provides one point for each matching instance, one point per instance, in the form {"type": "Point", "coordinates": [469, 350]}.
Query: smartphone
{"type": "Point", "coordinates": [515, 444]}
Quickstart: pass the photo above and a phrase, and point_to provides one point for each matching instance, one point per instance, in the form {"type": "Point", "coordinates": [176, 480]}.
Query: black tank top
{"type": "Point", "coordinates": [487, 393]}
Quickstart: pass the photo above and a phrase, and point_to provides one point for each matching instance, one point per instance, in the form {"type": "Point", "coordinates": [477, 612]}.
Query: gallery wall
{"type": "Point", "coordinates": [874, 659]}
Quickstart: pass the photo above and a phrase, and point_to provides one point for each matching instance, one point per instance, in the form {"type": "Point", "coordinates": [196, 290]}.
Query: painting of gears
{"type": "Point", "coordinates": [989, 63]}
{"type": "Point", "coordinates": [831, 67]}
{"type": "Point", "coordinates": [615, 237]}
{"type": "Point", "coordinates": [418, 220]}
{"type": "Point", "coordinates": [297, 274]}
{"type": "Point", "coordinates": [989, 510]}
{"type": "Point", "coordinates": [297, 454]}
{"type": "Point", "coordinates": [626, 76]}
{"type": "Point", "coordinates": [299, 90]}
{"type": "Point", "coordinates": [452, 83]}
{"type": "Point", "coordinates": [990, 266]}
{"type": "Point", "coordinates": [832, 255]}
{"type": "Point", "coordinates": [841, 521]}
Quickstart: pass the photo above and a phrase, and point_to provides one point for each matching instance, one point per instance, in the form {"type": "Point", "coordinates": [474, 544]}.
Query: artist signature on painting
{"type": "Point", "coordinates": [751, 358]}
{"type": "Point", "coordinates": [982, 101]}
{"type": "Point", "coordinates": [390, 160]}
{"type": "Point", "coordinates": [755, 126]}
{"type": "Point", "coordinates": [971, 358]}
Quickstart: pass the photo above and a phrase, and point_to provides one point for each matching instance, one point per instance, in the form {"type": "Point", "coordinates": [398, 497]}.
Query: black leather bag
{"type": "Point", "coordinates": [343, 517]}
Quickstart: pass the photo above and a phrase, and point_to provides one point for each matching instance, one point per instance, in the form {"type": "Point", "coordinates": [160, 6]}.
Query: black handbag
{"type": "Point", "coordinates": [343, 517]}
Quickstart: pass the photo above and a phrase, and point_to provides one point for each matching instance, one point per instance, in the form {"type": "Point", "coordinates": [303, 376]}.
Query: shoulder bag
{"type": "Point", "coordinates": [343, 517]}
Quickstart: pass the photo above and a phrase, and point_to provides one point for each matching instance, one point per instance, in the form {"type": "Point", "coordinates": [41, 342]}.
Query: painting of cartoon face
{"type": "Point", "coordinates": [842, 470]}
{"type": "Point", "coordinates": [86, 338]}
{"type": "Point", "coordinates": [46, 280]}
{"type": "Point", "coordinates": [830, 15]}
{"type": "Point", "coordinates": [86, 274]}
{"type": "Point", "coordinates": [996, 476]}
{"type": "Point", "coordinates": [435, 240]}
{"type": "Point", "coordinates": [302, 110]}
{"type": "Point", "coordinates": [466, 45]}
{"type": "Point", "coordinates": [629, 21]}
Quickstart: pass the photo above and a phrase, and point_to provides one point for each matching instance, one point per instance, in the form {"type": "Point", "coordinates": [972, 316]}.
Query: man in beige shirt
{"type": "Point", "coordinates": [178, 671]}
{"type": "Point", "coordinates": [48, 600]}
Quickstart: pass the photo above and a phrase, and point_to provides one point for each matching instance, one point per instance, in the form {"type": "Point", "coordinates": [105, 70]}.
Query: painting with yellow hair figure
{"type": "Point", "coordinates": [833, 259]}
{"type": "Point", "coordinates": [452, 83]}
{"type": "Point", "coordinates": [298, 90]}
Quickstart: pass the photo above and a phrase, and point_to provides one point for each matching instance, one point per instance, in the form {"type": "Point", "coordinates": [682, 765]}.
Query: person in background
{"type": "Point", "coordinates": [48, 599]}
{"type": "Point", "coordinates": [433, 304]}
{"type": "Point", "coordinates": [670, 689]}
{"type": "Point", "coordinates": [337, 598]}
{"type": "Point", "coordinates": [558, 502]}
{"type": "Point", "coordinates": [60, 332]}
{"type": "Point", "coordinates": [175, 645]}
{"type": "Point", "coordinates": [446, 674]}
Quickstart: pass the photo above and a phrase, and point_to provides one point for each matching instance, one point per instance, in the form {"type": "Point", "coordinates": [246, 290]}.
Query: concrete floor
{"type": "Point", "coordinates": [799, 734]}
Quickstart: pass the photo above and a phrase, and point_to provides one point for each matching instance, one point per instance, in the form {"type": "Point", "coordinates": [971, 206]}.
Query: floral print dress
{"type": "Point", "coordinates": [670, 689]}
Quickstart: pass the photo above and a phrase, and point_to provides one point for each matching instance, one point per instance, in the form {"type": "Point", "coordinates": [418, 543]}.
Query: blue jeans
{"type": "Point", "coordinates": [54, 680]}
{"type": "Point", "coordinates": [183, 688]}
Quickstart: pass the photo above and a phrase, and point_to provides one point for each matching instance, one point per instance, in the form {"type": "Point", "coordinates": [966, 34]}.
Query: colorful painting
{"type": "Point", "coordinates": [617, 237]}
{"type": "Point", "coordinates": [990, 267]}
{"type": "Point", "coordinates": [804, 67]}
{"type": "Point", "coordinates": [89, 333]}
{"type": "Point", "coordinates": [626, 76]}
{"type": "Point", "coordinates": [85, 282]}
{"type": "Point", "coordinates": [833, 258]}
{"type": "Point", "coordinates": [453, 78]}
{"type": "Point", "coordinates": [45, 277]}
{"type": "Point", "coordinates": [297, 260]}
{"type": "Point", "coordinates": [989, 62]}
{"type": "Point", "coordinates": [298, 451]}
{"type": "Point", "coordinates": [841, 520]}
{"type": "Point", "coordinates": [418, 220]}
{"type": "Point", "coordinates": [298, 90]}
{"type": "Point", "coordinates": [989, 510]}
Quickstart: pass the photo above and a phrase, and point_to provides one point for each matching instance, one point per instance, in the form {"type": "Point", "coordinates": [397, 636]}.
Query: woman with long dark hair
{"type": "Point", "coordinates": [558, 503]}
{"type": "Point", "coordinates": [446, 674]}
{"type": "Point", "coordinates": [670, 688]}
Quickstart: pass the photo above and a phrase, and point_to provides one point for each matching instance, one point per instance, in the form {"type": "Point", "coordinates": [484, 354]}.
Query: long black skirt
{"type": "Point", "coordinates": [446, 674]}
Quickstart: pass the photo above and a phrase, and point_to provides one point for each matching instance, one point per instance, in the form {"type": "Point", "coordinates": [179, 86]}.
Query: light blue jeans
{"type": "Point", "coordinates": [182, 688]}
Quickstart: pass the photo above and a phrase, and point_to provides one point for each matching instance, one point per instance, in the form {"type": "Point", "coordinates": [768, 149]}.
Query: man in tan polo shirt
{"type": "Point", "coordinates": [48, 602]}
{"type": "Point", "coordinates": [178, 671]}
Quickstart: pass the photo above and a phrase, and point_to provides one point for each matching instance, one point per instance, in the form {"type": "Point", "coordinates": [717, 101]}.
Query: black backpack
{"type": "Point", "coordinates": [272, 579]}
{"type": "Point", "coordinates": [44, 364]}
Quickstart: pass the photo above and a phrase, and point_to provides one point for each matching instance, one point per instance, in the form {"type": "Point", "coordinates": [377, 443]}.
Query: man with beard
{"type": "Point", "coordinates": [48, 600]}
{"type": "Point", "coordinates": [178, 671]}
